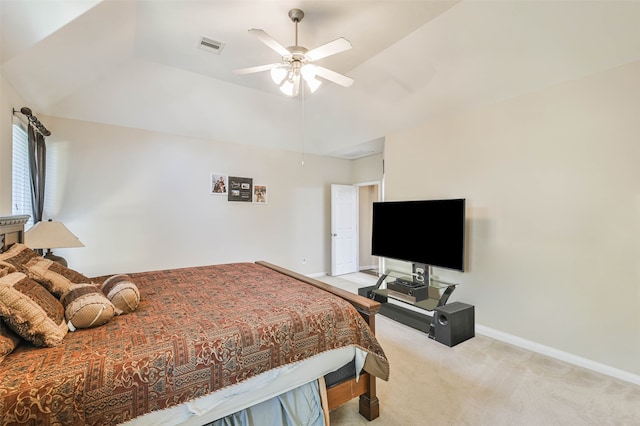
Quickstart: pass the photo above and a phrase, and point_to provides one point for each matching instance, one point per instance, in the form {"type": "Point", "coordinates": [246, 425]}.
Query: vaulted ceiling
{"type": "Point", "coordinates": [139, 64]}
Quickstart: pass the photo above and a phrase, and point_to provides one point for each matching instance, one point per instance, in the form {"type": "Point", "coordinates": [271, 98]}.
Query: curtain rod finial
{"type": "Point", "coordinates": [34, 121]}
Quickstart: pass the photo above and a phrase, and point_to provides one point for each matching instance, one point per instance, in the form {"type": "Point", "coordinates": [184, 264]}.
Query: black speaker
{"type": "Point", "coordinates": [453, 323]}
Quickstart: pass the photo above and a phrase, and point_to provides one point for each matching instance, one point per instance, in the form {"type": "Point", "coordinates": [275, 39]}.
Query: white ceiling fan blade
{"type": "Point", "coordinates": [336, 46]}
{"type": "Point", "coordinates": [259, 68]}
{"type": "Point", "coordinates": [337, 78]}
{"type": "Point", "coordinates": [270, 41]}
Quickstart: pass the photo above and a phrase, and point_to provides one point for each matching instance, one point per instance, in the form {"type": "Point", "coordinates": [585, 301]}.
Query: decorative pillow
{"type": "Point", "coordinates": [53, 276]}
{"type": "Point", "coordinates": [122, 293]}
{"type": "Point", "coordinates": [31, 311]}
{"type": "Point", "coordinates": [18, 255]}
{"type": "Point", "coordinates": [85, 306]}
{"type": "Point", "coordinates": [8, 340]}
{"type": "Point", "coordinates": [6, 269]}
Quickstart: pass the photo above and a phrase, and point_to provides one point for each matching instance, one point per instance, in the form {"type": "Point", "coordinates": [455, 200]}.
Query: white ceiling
{"type": "Point", "coordinates": [138, 63]}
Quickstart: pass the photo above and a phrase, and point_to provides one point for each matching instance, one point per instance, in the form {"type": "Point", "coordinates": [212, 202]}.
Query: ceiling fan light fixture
{"type": "Point", "coordinates": [278, 74]}
{"type": "Point", "coordinates": [287, 88]}
{"type": "Point", "coordinates": [313, 84]}
{"type": "Point", "coordinates": [308, 71]}
{"type": "Point", "coordinates": [291, 86]}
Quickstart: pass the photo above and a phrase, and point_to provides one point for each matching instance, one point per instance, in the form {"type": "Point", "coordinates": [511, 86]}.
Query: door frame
{"type": "Point", "coordinates": [379, 183]}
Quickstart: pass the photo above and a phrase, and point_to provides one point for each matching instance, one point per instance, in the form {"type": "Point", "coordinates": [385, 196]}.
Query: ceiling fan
{"type": "Point", "coordinates": [297, 61]}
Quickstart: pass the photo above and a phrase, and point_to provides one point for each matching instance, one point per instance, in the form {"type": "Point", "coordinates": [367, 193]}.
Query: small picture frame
{"type": "Point", "coordinates": [260, 194]}
{"type": "Point", "coordinates": [218, 184]}
{"type": "Point", "coordinates": [240, 188]}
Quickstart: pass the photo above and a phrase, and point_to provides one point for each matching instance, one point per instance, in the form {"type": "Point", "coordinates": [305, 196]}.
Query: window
{"type": "Point", "coordinates": [21, 187]}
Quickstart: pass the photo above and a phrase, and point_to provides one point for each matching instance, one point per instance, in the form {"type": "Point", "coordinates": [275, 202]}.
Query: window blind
{"type": "Point", "coordinates": [21, 180]}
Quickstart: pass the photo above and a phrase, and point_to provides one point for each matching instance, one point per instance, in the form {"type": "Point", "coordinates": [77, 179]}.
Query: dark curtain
{"type": "Point", "coordinates": [37, 168]}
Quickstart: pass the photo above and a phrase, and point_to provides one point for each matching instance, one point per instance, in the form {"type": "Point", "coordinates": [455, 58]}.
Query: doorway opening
{"type": "Point", "coordinates": [351, 224]}
{"type": "Point", "coordinates": [368, 193]}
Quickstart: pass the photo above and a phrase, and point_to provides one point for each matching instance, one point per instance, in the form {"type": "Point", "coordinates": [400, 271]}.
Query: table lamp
{"type": "Point", "coordinates": [49, 235]}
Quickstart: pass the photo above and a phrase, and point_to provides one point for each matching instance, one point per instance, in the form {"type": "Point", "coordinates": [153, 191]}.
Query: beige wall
{"type": "Point", "coordinates": [552, 184]}
{"type": "Point", "coordinates": [140, 200]}
{"type": "Point", "coordinates": [367, 169]}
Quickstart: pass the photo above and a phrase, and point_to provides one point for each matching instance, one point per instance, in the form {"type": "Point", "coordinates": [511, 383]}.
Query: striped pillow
{"type": "Point", "coordinates": [86, 306]}
{"type": "Point", "coordinates": [31, 311]}
{"type": "Point", "coordinates": [122, 293]}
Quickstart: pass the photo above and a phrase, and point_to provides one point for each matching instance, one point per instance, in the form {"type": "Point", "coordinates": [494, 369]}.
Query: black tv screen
{"type": "Point", "coordinates": [426, 231]}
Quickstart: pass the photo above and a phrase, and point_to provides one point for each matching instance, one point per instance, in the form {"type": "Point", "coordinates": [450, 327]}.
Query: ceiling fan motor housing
{"type": "Point", "coordinates": [298, 54]}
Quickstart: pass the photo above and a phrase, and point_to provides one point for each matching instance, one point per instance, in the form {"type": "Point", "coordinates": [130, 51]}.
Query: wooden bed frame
{"type": "Point", "coordinates": [365, 388]}
{"type": "Point", "coordinates": [12, 231]}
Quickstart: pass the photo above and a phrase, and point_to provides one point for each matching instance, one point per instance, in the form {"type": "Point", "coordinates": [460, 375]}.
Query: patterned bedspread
{"type": "Point", "coordinates": [195, 331]}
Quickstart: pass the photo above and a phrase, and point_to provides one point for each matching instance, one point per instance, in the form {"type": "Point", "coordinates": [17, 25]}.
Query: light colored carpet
{"type": "Point", "coordinates": [483, 381]}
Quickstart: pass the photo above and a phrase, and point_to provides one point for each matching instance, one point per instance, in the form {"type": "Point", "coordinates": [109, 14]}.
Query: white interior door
{"type": "Point", "coordinates": [344, 229]}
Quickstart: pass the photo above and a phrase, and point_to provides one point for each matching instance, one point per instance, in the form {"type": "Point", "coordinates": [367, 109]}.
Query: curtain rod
{"type": "Point", "coordinates": [34, 120]}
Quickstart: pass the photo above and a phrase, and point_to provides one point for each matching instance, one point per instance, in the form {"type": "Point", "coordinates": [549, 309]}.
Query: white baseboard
{"type": "Point", "coordinates": [366, 268]}
{"type": "Point", "coordinates": [558, 354]}
{"type": "Point", "coordinates": [317, 275]}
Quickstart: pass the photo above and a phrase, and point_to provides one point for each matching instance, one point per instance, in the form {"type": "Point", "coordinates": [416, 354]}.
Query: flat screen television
{"type": "Point", "coordinates": [430, 232]}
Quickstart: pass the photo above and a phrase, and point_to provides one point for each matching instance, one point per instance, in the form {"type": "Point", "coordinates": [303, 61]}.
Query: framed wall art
{"type": "Point", "coordinates": [260, 194]}
{"type": "Point", "coordinates": [240, 189]}
{"type": "Point", "coordinates": [218, 184]}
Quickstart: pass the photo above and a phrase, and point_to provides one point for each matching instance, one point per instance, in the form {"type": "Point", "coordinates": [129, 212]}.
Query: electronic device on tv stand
{"type": "Point", "coordinates": [426, 233]}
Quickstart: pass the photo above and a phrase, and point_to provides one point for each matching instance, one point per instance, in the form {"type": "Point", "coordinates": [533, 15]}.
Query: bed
{"type": "Point", "coordinates": [204, 344]}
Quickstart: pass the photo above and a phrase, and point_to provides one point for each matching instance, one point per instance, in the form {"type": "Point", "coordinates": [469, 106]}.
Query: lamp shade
{"type": "Point", "coordinates": [48, 235]}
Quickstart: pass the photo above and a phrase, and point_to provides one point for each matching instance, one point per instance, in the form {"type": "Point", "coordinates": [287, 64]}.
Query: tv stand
{"type": "Point", "coordinates": [401, 287]}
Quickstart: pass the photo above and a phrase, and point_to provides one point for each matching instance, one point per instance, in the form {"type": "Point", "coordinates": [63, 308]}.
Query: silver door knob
{"type": "Point", "coordinates": [334, 235]}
